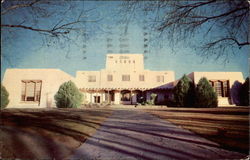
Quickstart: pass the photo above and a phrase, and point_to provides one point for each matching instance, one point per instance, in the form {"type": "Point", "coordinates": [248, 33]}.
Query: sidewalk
{"type": "Point", "coordinates": [134, 134]}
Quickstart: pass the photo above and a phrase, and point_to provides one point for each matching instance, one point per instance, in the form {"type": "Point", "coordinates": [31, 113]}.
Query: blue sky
{"type": "Point", "coordinates": [26, 50]}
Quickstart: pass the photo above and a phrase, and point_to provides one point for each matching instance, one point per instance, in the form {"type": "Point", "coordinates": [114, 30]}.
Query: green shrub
{"type": "Point", "coordinates": [149, 102]}
{"type": "Point", "coordinates": [184, 92]}
{"type": "Point", "coordinates": [4, 97]}
{"type": "Point", "coordinates": [235, 93]}
{"type": "Point", "coordinates": [244, 93]}
{"type": "Point", "coordinates": [205, 97]}
{"type": "Point", "coordinates": [68, 96]}
{"type": "Point", "coordinates": [143, 103]}
{"type": "Point", "coordinates": [153, 98]}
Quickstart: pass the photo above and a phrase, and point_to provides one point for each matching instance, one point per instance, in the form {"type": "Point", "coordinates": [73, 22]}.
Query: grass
{"type": "Point", "coordinates": [47, 133]}
{"type": "Point", "coordinates": [226, 126]}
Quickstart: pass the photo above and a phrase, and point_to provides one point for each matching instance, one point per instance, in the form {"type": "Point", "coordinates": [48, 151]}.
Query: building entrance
{"type": "Point", "coordinates": [97, 99]}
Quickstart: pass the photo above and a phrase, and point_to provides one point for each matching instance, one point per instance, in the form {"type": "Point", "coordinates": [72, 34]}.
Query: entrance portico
{"type": "Point", "coordinates": [123, 81]}
{"type": "Point", "coordinates": [127, 96]}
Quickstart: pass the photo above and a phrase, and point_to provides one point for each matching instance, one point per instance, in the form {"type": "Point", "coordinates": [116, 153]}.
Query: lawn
{"type": "Point", "coordinates": [47, 133]}
{"type": "Point", "coordinates": [228, 126]}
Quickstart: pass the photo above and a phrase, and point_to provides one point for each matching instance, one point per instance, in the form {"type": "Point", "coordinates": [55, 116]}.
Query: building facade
{"type": "Point", "coordinates": [33, 88]}
{"type": "Point", "coordinates": [123, 81]}
{"type": "Point", "coordinates": [223, 84]}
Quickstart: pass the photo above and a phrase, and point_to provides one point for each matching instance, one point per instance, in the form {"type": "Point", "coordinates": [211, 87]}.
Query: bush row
{"type": "Point", "coordinates": [186, 94]}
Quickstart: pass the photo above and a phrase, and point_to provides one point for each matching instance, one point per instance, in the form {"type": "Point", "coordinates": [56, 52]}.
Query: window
{"type": "Point", "coordinates": [92, 79]}
{"type": "Point", "coordinates": [125, 77]}
{"type": "Point", "coordinates": [31, 90]}
{"type": "Point", "coordinates": [218, 88]}
{"type": "Point", "coordinates": [225, 88]}
{"type": "Point", "coordinates": [141, 78]}
{"type": "Point", "coordinates": [221, 87]}
{"type": "Point", "coordinates": [160, 78]}
{"type": "Point", "coordinates": [110, 77]}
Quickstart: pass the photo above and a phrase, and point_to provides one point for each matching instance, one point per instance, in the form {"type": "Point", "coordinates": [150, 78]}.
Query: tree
{"type": "Point", "coordinates": [184, 92]}
{"type": "Point", "coordinates": [68, 96]}
{"type": "Point", "coordinates": [222, 26]}
{"type": "Point", "coordinates": [205, 97]}
{"type": "Point", "coordinates": [61, 24]}
{"type": "Point", "coordinates": [244, 93]}
{"type": "Point", "coordinates": [54, 21]}
{"type": "Point", "coordinates": [235, 93]}
{"type": "Point", "coordinates": [4, 97]}
{"type": "Point", "coordinates": [153, 98]}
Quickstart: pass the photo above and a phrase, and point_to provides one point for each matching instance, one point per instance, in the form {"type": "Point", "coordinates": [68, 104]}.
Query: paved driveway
{"type": "Point", "coordinates": [134, 134]}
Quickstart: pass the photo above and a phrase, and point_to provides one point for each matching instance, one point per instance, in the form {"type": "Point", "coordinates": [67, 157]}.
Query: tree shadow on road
{"type": "Point", "coordinates": [43, 133]}
{"type": "Point", "coordinates": [147, 137]}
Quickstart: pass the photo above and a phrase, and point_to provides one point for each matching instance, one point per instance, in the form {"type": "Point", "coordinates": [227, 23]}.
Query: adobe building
{"type": "Point", "coordinates": [222, 82]}
{"type": "Point", "coordinates": [123, 81]}
{"type": "Point", "coordinates": [33, 88]}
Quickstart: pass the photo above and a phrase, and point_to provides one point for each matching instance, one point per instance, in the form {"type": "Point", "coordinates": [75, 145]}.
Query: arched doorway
{"type": "Point", "coordinates": [126, 97]}
{"type": "Point", "coordinates": [140, 96]}
{"type": "Point", "coordinates": [109, 96]}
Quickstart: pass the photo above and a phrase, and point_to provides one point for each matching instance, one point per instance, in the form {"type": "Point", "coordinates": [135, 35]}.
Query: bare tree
{"type": "Point", "coordinates": [61, 24]}
{"type": "Point", "coordinates": [55, 20]}
{"type": "Point", "coordinates": [222, 24]}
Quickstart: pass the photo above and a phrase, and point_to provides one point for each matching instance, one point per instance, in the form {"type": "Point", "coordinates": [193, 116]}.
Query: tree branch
{"type": "Point", "coordinates": [18, 6]}
{"type": "Point", "coordinates": [195, 5]}
{"type": "Point", "coordinates": [35, 29]}
{"type": "Point", "coordinates": [196, 20]}
{"type": "Point", "coordinates": [221, 15]}
{"type": "Point", "coordinates": [240, 44]}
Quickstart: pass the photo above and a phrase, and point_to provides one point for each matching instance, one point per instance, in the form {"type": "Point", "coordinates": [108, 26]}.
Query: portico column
{"type": "Point", "coordinates": [108, 97]}
{"type": "Point", "coordinates": [101, 96]}
{"type": "Point", "coordinates": [90, 96]}
{"type": "Point", "coordinates": [131, 98]}
{"type": "Point", "coordinates": [120, 93]}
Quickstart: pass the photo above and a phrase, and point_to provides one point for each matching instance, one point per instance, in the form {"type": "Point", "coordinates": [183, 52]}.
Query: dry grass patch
{"type": "Point", "coordinates": [229, 127]}
{"type": "Point", "coordinates": [47, 133]}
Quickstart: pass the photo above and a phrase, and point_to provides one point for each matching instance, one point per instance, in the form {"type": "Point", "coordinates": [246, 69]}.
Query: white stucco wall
{"type": "Point", "coordinates": [125, 62]}
{"type": "Point", "coordinates": [231, 76]}
{"type": "Point", "coordinates": [51, 81]}
{"type": "Point", "coordinates": [116, 67]}
{"type": "Point", "coordinates": [150, 79]}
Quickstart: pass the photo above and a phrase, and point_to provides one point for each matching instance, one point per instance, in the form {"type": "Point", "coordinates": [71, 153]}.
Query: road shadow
{"type": "Point", "coordinates": [143, 136]}
{"type": "Point", "coordinates": [46, 133]}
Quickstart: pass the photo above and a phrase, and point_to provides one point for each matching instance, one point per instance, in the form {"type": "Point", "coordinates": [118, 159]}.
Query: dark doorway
{"type": "Point", "coordinates": [97, 99]}
{"type": "Point", "coordinates": [109, 96]}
